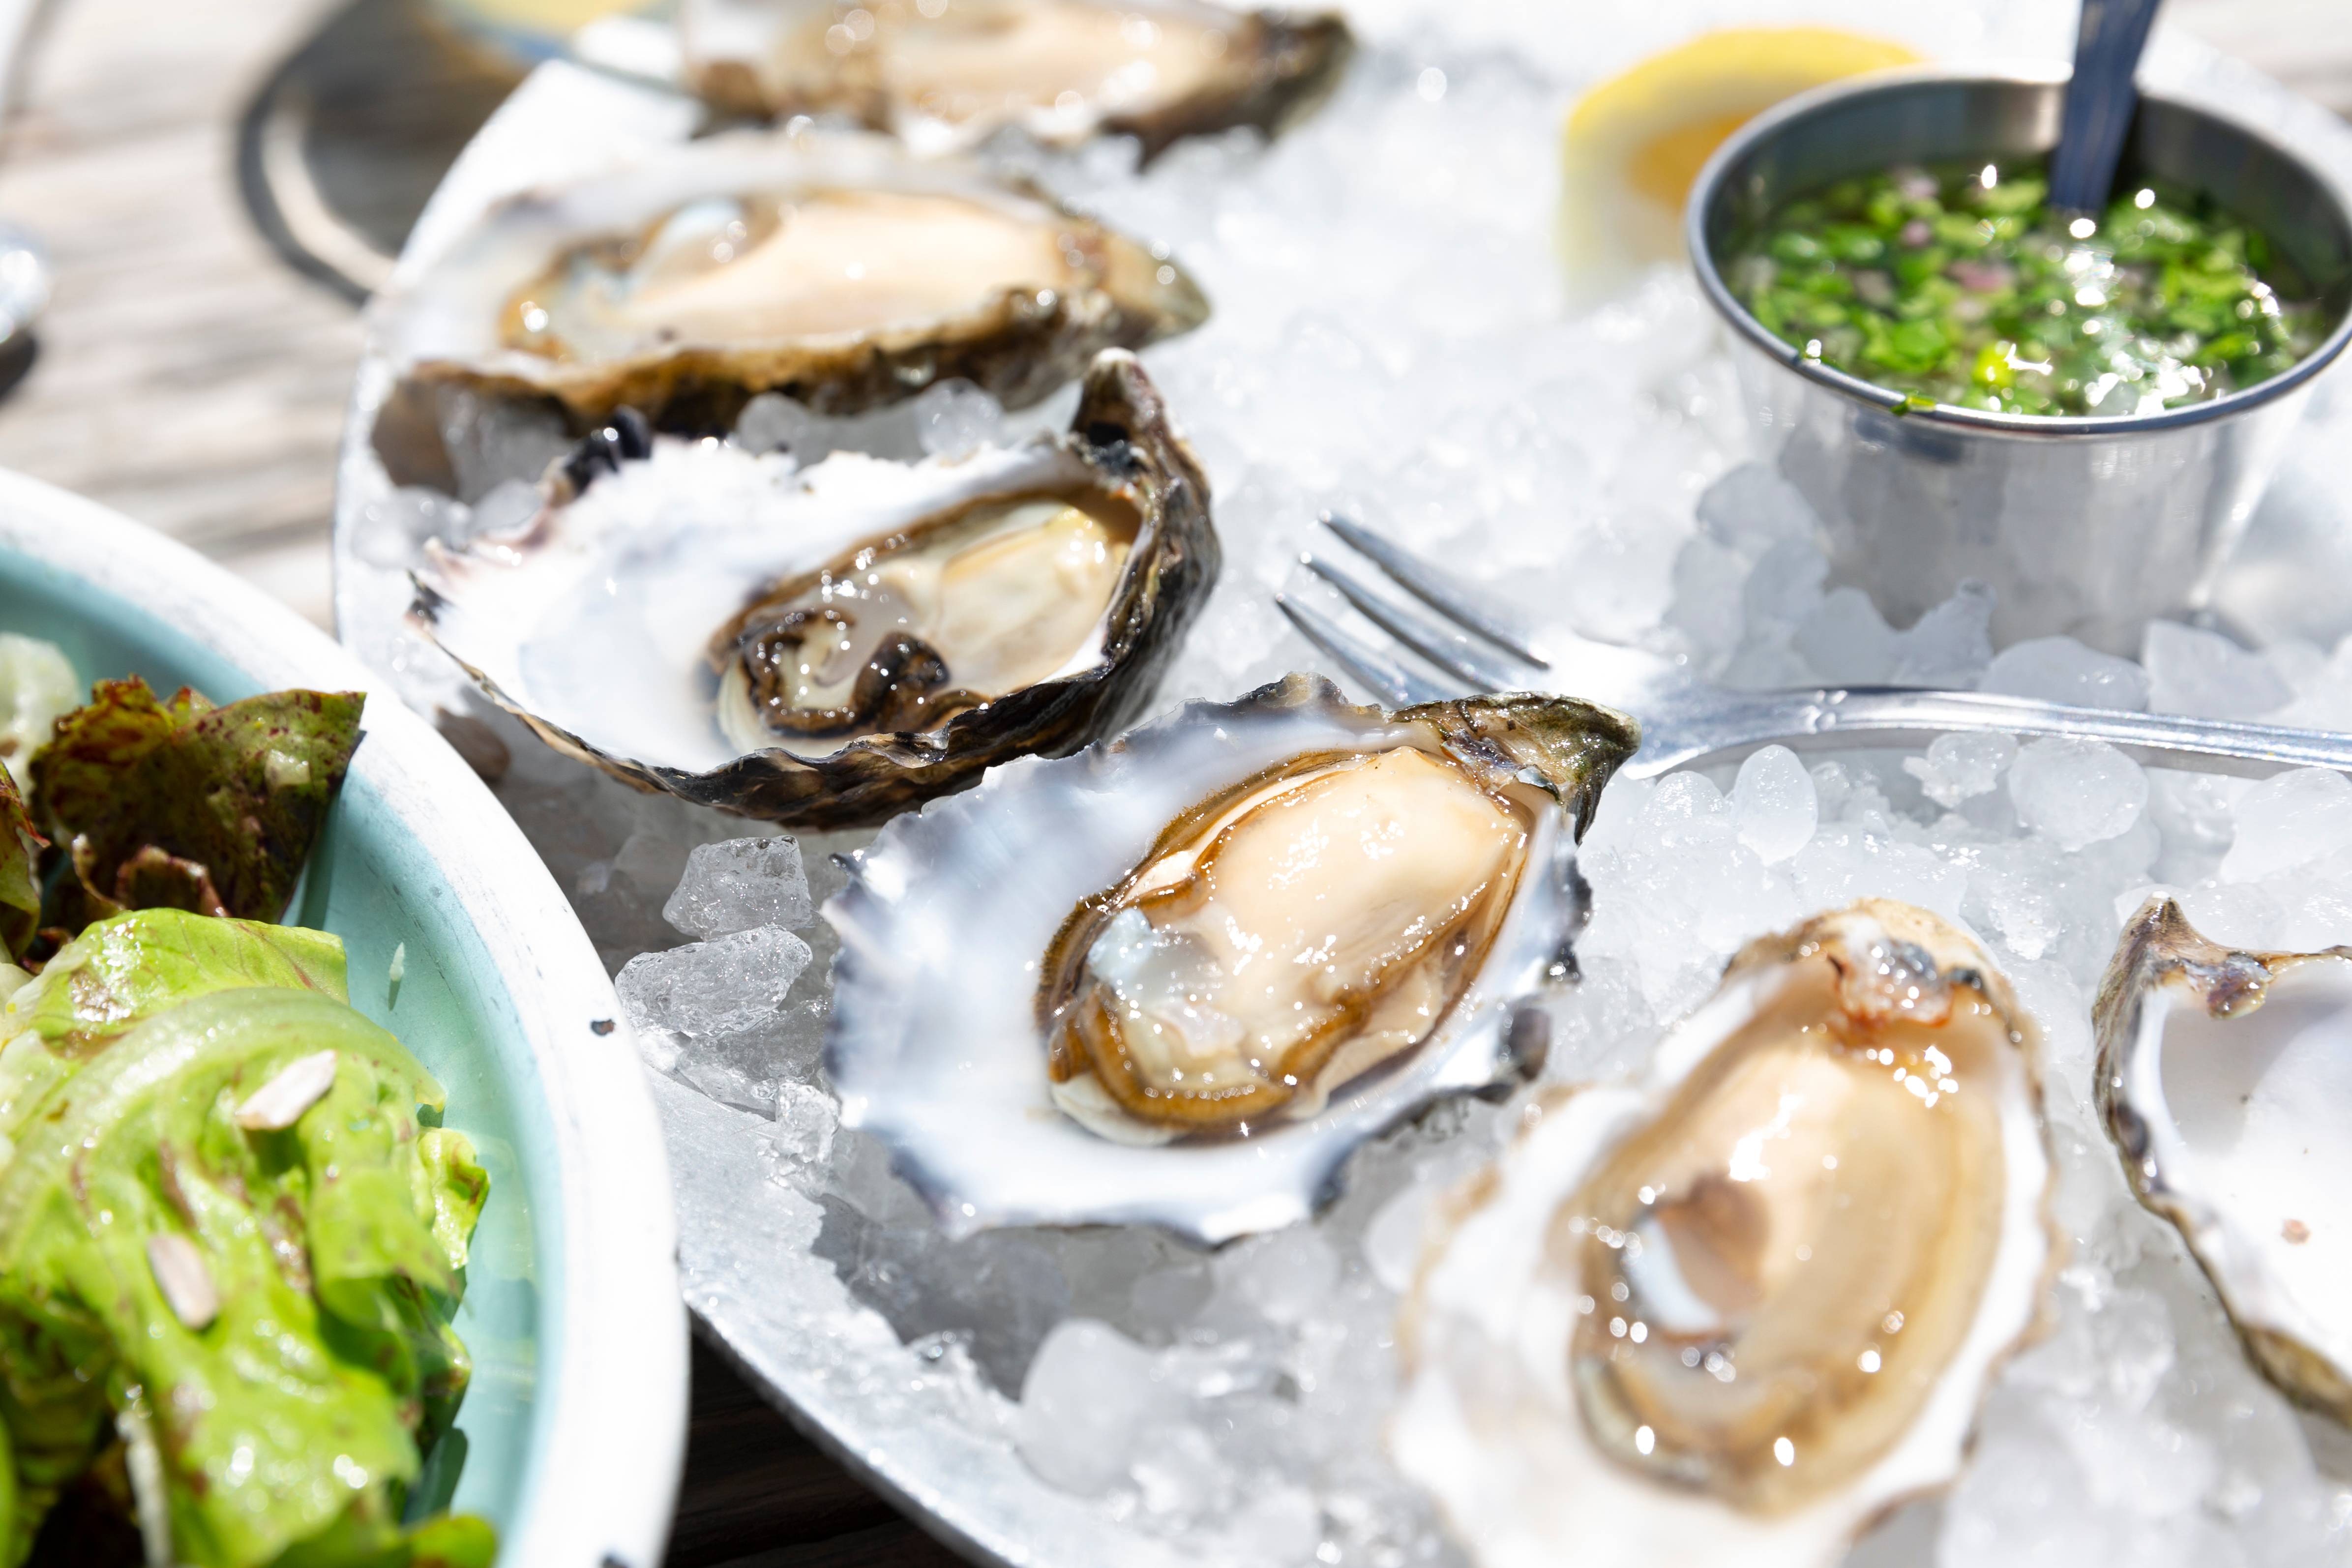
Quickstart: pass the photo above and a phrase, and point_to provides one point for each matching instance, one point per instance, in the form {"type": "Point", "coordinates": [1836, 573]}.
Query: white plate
{"type": "Point", "coordinates": [745, 1239]}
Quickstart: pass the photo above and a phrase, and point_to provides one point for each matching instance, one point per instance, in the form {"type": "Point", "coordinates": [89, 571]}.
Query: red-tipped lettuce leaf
{"type": "Point", "coordinates": [181, 804]}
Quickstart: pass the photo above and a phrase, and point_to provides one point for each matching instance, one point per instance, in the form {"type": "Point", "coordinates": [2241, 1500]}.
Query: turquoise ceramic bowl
{"type": "Point", "coordinates": [570, 1439]}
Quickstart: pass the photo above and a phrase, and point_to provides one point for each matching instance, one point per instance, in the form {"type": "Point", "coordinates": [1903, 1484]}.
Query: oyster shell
{"type": "Point", "coordinates": [1732, 1311]}
{"type": "Point", "coordinates": [831, 266]}
{"type": "Point", "coordinates": [2225, 1077]}
{"type": "Point", "coordinates": [976, 934]}
{"type": "Point", "coordinates": [620, 620]}
{"type": "Point", "coordinates": [946, 74]}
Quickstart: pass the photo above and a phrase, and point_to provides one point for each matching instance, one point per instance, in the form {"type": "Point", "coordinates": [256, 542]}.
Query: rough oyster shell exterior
{"type": "Point", "coordinates": [1275, 67]}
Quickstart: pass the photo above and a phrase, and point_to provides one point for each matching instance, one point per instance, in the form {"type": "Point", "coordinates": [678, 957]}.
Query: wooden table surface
{"type": "Point", "coordinates": [190, 378]}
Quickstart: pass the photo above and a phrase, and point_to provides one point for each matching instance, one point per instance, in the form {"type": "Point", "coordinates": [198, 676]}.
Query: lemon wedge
{"type": "Point", "coordinates": [1633, 146]}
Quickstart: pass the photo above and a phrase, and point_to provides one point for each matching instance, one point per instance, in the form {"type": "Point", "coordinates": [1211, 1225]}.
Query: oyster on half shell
{"type": "Point", "coordinates": [826, 646]}
{"type": "Point", "coordinates": [2225, 1077]}
{"type": "Point", "coordinates": [1177, 978]}
{"type": "Point", "coordinates": [946, 74]}
{"type": "Point", "coordinates": [831, 266]}
{"type": "Point", "coordinates": [1734, 1311]}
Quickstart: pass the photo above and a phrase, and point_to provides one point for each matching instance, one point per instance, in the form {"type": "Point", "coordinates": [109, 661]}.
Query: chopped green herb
{"type": "Point", "coordinates": [1960, 287]}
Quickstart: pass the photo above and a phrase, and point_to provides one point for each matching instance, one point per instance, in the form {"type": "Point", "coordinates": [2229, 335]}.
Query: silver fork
{"type": "Point", "coordinates": [1686, 720]}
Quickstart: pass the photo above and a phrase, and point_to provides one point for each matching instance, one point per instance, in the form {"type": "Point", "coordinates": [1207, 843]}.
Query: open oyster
{"type": "Point", "coordinates": [2226, 1081]}
{"type": "Point", "coordinates": [947, 73]}
{"type": "Point", "coordinates": [825, 646]}
{"type": "Point", "coordinates": [1177, 978]}
{"type": "Point", "coordinates": [833, 268]}
{"type": "Point", "coordinates": [1732, 1311]}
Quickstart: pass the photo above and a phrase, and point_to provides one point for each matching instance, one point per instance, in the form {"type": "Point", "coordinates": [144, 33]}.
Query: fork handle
{"type": "Point", "coordinates": [1846, 718]}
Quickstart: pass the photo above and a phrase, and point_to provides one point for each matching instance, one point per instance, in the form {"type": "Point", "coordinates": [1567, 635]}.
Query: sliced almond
{"type": "Point", "coordinates": [186, 1283]}
{"type": "Point", "coordinates": [279, 1104]}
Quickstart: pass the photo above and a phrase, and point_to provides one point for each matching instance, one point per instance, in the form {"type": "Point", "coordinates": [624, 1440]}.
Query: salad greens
{"type": "Point", "coordinates": [298, 1377]}
{"type": "Point", "coordinates": [233, 1231]}
{"type": "Point", "coordinates": [1960, 286]}
{"type": "Point", "coordinates": [182, 804]}
{"type": "Point", "coordinates": [20, 877]}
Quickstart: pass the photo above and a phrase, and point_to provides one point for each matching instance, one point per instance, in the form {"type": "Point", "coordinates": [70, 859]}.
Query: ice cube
{"type": "Point", "coordinates": [2289, 821]}
{"type": "Point", "coordinates": [728, 984]}
{"type": "Point", "coordinates": [2205, 674]}
{"type": "Point", "coordinates": [805, 1119]}
{"type": "Point", "coordinates": [491, 439]}
{"type": "Point", "coordinates": [952, 417]}
{"type": "Point", "coordinates": [2061, 670]}
{"type": "Point", "coordinates": [1089, 1394]}
{"type": "Point", "coordinates": [1178, 1475]}
{"type": "Point", "coordinates": [740, 884]}
{"type": "Point", "coordinates": [725, 1080]}
{"type": "Point", "coordinates": [2075, 793]}
{"type": "Point", "coordinates": [1774, 804]}
{"type": "Point", "coordinates": [1961, 766]}
{"type": "Point", "coordinates": [774, 422]}
{"type": "Point", "coordinates": [1785, 586]}
{"type": "Point", "coordinates": [1282, 1277]}
{"type": "Point", "coordinates": [1948, 646]}
{"type": "Point", "coordinates": [1752, 507]}
{"type": "Point", "coordinates": [1845, 640]}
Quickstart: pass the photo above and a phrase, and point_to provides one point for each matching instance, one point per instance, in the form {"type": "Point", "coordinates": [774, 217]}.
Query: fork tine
{"type": "Point", "coordinates": [1434, 589]}
{"type": "Point", "coordinates": [1439, 644]}
{"type": "Point", "coordinates": [1391, 682]}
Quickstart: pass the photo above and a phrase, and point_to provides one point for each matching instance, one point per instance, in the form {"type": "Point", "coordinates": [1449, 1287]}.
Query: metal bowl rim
{"type": "Point", "coordinates": [2030, 426]}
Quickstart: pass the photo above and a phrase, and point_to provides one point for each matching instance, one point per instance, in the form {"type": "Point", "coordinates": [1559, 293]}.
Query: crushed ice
{"type": "Point", "coordinates": [1388, 343]}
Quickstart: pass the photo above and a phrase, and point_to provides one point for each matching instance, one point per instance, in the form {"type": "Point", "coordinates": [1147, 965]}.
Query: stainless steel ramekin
{"type": "Point", "coordinates": [2085, 526]}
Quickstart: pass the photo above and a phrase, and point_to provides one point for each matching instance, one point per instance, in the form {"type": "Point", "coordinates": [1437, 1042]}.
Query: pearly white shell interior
{"type": "Point", "coordinates": [935, 1044]}
{"type": "Point", "coordinates": [596, 615]}
{"type": "Point", "coordinates": [2245, 1119]}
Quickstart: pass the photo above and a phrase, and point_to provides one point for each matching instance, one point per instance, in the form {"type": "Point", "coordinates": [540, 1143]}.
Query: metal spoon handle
{"type": "Point", "coordinates": [2099, 103]}
{"type": "Point", "coordinates": [1833, 719]}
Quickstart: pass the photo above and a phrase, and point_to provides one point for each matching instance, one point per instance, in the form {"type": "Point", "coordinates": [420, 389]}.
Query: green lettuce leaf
{"type": "Point", "coordinates": [298, 1390]}
{"type": "Point", "coordinates": [181, 804]}
{"type": "Point", "coordinates": [20, 881]}
{"type": "Point", "coordinates": [125, 969]}
{"type": "Point", "coordinates": [128, 967]}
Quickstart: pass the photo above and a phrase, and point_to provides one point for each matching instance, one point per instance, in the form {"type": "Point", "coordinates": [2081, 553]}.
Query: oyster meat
{"type": "Point", "coordinates": [825, 646]}
{"type": "Point", "coordinates": [1177, 978]}
{"type": "Point", "coordinates": [905, 633]}
{"type": "Point", "coordinates": [2225, 1077]}
{"type": "Point", "coordinates": [833, 268]}
{"type": "Point", "coordinates": [946, 74]}
{"type": "Point", "coordinates": [1733, 1312]}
